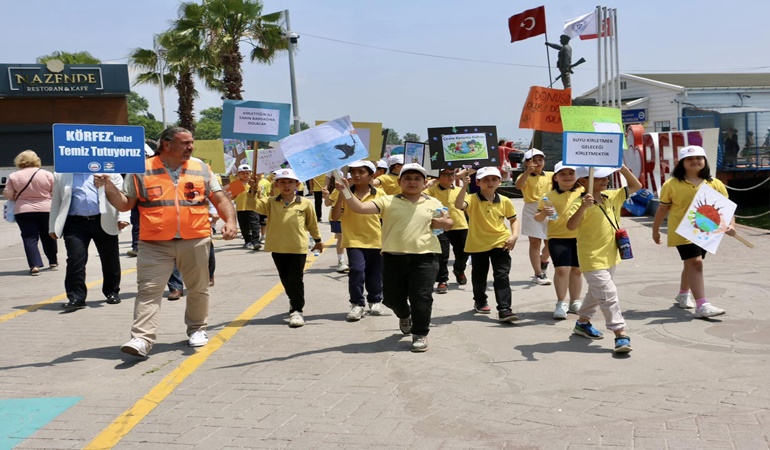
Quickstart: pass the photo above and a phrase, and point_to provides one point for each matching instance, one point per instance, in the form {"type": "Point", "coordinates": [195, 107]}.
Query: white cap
{"type": "Point", "coordinates": [691, 150]}
{"type": "Point", "coordinates": [362, 163]}
{"type": "Point", "coordinates": [414, 167]}
{"type": "Point", "coordinates": [395, 159]}
{"type": "Point", "coordinates": [529, 154]}
{"type": "Point", "coordinates": [599, 172]}
{"type": "Point", "coordinates": [487, 171]}
{"type": "Point", "coordinates": [382, 164]}
{"type": "Point", "coordinates": [285, 173]}
{"type": "Point", "coordinates": [244, 168]}
{"type": "Point", "coordinates": [148, 151]}
{"type": "Point", "coordinates": [559, 166]}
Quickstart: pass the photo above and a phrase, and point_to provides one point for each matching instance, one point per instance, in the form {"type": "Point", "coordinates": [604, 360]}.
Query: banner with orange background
{"type": "Point", "coordinates": [541, 109]}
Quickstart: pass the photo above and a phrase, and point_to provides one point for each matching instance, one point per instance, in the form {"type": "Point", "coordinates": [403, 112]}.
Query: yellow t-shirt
{"type": "Point", "coordinates": [536, 186]}
{"type": "Point", "coordinates": [265, 187]}
{"type": "Point", "coordinates": [360, 230]}
{"type": "Point", "coordinates": [679, 195]}
{"type": "Point", "coordinates": [596, 245]}
{"type": "Point", "coordinates": [246, 200]}
{"type": "Point", "coordinates": [390, 184]}
{"type": "Point", "coordinates": [318, 182]}
{"type": "Point", "coordinates": [406, 225]}
{"type": "Point", "coordinates": [487, 227]}
{"type": "Point", "coordinates": [447, 198]}
{"type": "Point", "coordinates": [289, 224]}
{"type": "Point", "coordinates": [562, 201]}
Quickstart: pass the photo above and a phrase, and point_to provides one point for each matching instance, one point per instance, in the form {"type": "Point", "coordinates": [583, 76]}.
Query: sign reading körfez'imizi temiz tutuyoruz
{"type": "Point", "coordinates": [56, 79]}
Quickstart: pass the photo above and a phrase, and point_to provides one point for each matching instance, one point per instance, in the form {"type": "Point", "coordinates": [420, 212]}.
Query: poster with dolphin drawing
{"type": "Point", "coordinates": [323, 148]}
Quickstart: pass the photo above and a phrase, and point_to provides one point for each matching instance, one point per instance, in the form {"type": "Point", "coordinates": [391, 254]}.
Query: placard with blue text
{"type": "Point", "coordinates": [98, 148]}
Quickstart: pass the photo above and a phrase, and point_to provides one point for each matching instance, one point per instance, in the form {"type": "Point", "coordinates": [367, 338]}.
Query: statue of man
{"type": "Point", "coordinates": [564, 62]}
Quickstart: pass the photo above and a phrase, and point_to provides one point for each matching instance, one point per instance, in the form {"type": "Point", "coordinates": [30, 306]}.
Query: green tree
{"type": "Point", "coordinates": [185, 59]}
{"type": "Point", "coordinates": [214, 113]}
{"type": "Point", "coordinates": [302, 127]}
{"type": "Point", "coordinates": [223, 25]}
{"type": "Point", "coordinates": [70, 58]}
{"type": "Point", "coordinates": [208, 129]}
{"type": "Point", "coordinates": [392, 137]}
{"type": "Point", "coordinates": [139, 115]}
{"type": "Point", "coordinates": [414, 137]}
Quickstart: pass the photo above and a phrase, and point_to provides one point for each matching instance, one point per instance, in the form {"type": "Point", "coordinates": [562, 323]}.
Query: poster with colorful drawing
{"type": "Point", "coordinates": [707, 218]}
{"type": "Point", "coordinates": [235, 155]}
{"type": "Point", "coordinates": [370, 134]}
{"type": "Point", "coordinates": [455, 147]}
{"type": "Point", "coordinates": [414, 152]}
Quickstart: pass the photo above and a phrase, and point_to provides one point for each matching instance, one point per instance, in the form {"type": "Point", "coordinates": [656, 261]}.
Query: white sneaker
{"type": "Point", "coordinates": [541, 279]}
{"type": "Point", "coordinates": [375, 309]}
{"type": "Point", "coordinates": [136, 347]}
{"type": "Point", "coordinates": [199, 338]}
{"type": "Point", "coordinates": [574, 307]}
{"type": "Point", "coordinates": [296, 320]}
{"type": "Point", "coordinates": [342, 267]}
{"type": "Point", "coordinates": [356, 313]}
{"type": "Point", "coordinates": [561, 311]}
{"type": "Point", "coordinates": [708, 310]}
{"type": "Point", "coordinates": [685, 301]}
{"type": "Point", "coordinates": [419, 343]}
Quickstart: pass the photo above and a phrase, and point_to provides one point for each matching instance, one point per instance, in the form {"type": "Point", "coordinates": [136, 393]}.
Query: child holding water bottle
{"type": "Point", "coordinates": [291, 218]}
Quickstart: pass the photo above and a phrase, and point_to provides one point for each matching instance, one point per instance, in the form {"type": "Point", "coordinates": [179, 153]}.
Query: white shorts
{"type": "Point", "coordinates": [531, 227]}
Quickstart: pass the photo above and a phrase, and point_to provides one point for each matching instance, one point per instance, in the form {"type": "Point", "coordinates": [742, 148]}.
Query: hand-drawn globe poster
{"type": "Point", "coordinates": [463, 146]}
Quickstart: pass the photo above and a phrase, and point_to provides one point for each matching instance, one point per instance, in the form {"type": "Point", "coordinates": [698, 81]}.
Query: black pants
{"type": "Point", "coordinates": [134, 228]}
{"type": "Point", "coordinates": [318, 197]}
{"type": "Point", "coordinates": [407, 287]}
{"type": "Point", "coordinates": [501, 267]}
{"type": "Point", "coordinates": [78, 234]}
{"type": "Point", "coordinates": [34, 228]}
{"type": "Point", "coordinates": [291, 271]}
{"type": "Point", "coordinates": [455, 238]}
{"type": "Point", "coordinates": [248, 221]}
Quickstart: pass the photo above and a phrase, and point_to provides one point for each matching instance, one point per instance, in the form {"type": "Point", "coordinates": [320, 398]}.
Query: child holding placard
{"type": "Point", "coordinates": [676, 195]}
{"type": "Point", "coordinates": [562, 242]}
{"type": "Point", "coordinates": [596, 217]}
{"type": "Point", "coordinates": [533, 183]}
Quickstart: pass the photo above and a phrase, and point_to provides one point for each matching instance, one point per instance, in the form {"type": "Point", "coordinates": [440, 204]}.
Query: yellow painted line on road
{"type": "Point", "coordinates": [120, 427]}
{"type": "Point", "coordinates": [59, 297]}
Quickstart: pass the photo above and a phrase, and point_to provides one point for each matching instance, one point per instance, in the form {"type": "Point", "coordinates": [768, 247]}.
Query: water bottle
{"type": "Point", "coordinates": [316, 253]}
{"type": "Point", "coordinates": [437, 214]}
{"type": "Point", "coordinates": [549, 203]}
{"type": "Point", "coordinates": [624, 244]}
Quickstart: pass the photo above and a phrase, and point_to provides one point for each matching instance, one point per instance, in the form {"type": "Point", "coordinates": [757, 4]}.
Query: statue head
{"type": "Point", "coordinates": [564, 39]}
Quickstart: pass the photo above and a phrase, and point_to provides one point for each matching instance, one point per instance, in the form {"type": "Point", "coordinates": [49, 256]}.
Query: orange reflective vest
{"type": "Point", "coordinates": [166, 210]}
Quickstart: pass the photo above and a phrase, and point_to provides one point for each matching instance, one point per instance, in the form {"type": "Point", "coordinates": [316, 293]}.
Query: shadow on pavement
{"type": "Point", "coordinates": [574, 344]}
{"type": "Point", "coordinates": [111, 353]}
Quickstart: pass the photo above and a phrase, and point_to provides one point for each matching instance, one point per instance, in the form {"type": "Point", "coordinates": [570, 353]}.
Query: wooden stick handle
{"type": "Point", "coordinates": [743, 241]}
{"type": "Point", "coordinates": [591, 180]}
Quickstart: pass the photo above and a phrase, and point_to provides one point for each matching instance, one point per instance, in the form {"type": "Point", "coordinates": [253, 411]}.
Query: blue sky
{"type": "Point", "coordinates": [407, 92]}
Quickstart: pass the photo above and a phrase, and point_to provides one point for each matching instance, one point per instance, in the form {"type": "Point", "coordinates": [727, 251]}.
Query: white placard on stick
{"type": "Point", "coordinates": [592, 149]}
{"type": "Point", "coordinates": [707, 218]}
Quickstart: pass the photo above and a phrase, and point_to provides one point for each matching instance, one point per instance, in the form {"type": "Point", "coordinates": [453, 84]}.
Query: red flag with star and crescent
{"type": "Point", "coordinates": [528, 24]}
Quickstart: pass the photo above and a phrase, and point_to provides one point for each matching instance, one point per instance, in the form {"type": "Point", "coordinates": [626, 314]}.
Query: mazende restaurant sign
{"type": "Point", "coordinates": [55, 79]}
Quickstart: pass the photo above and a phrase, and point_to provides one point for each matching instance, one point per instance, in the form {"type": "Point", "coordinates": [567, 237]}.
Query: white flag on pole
{"type": "Point", "coordinates": [585, 24]}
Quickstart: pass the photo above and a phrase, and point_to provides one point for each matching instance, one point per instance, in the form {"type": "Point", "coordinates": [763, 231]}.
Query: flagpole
{"type": "Point", "coordinates": [598, 59]}
{"type": "Point", "coordinates": [548, 55]}
{"type": "Point", "coordinates": [604, 39]}
{"type": "Point", "coordinates": [617, 53]}
{"type": "Point", "coordinates": [612, 59]}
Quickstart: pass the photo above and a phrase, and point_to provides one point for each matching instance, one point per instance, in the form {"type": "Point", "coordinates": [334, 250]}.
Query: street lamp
{"type": "Point", "coordinates": [293, 37]}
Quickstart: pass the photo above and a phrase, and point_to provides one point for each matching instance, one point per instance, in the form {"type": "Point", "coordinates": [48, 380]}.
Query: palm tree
{"type": "Point", "coordinates": [186, 59]}
{"type": "Point", "coordinates": [222, 25]}
{"type": "Point", "coordinates": [70, 58]}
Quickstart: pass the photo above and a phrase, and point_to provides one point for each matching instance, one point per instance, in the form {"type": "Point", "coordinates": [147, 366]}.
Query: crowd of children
{"type": "Point", "coordinates": [397, 229]}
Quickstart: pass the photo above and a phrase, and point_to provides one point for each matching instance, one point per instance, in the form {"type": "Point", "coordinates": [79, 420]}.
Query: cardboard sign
{"type": "Point", "coordinates": [455, 147]}
{"type": "Point", "coordinates": [370, 134]}
{"type": "Point", "coordinates": [270, 159]}
{"type": "Point", "coordinates": [235, 155]}
{"type": "Point", "coordinates": [323, 148]}
{"type": "Point", "coordinates": [98, 148]}
{"type": "Point", "coordinates": [414, 152]}
{"type": "Point", "coordinates": [592, 149]}
{"type": "Point", "coordinates": [212, 153]}
{"type": "Point", "coordinates": [707, 218]}
{"type": "Point", "coordinates": [255, 121]}
{"type": "Point", "coordinates": [234, 188]}
{"type": "Point", "coordinates": [592, 119]}
{"type": "Point", "coordinates": [541, 109]}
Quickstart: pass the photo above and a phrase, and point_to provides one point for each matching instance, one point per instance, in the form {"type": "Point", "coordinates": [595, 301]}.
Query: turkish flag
{"type": "Point", "coordinates": [528, 24]}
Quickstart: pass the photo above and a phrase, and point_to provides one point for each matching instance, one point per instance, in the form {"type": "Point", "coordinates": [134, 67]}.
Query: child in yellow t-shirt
{"type": "Point", "coordinates": [390, 182]}
{"type": "Point", "coordinates": [596, 217]}
{"type": "Point", "coordinates": [335, 226]}
{"type": "Point", "coordinates": [676, 195]}
{"type": "Point", "coordinates": [410, 250]}
{"type": "Point", "coordinates": [533, 183]}
{"type": "Point", "coordinates": [246, 209]}
{"type": "Point", "coordinates": [562, 243]}
{"type": "Point", "coordinates": [291, 217]}
{"type": "Point", "coordinates": [362, 240]}
{"type": "Point", "coordinates": [490, 241]}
